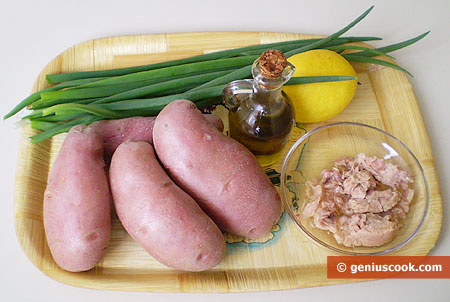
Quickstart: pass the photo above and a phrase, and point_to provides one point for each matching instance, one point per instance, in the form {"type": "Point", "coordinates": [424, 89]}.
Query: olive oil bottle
{"type": "Point", "coordinates": [261, 116]}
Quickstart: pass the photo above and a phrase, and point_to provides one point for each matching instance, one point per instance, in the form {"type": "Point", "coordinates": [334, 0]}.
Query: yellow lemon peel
{"type": "Point", "coordinates": [319, 102]}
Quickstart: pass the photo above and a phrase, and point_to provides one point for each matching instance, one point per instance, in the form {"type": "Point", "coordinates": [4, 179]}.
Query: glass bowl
{"type": "Point", "coordinates": [319, 148]}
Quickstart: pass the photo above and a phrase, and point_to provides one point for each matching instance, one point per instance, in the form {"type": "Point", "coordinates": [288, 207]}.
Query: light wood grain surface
{"type": "Point", "coordinates": [385, 99]}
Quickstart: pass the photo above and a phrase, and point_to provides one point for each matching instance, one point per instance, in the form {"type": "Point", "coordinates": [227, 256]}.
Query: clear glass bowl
{"type": "Point", "coordinates": [319, 148]}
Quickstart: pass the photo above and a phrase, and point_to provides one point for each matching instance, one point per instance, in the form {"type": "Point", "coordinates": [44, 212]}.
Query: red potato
{"type": "Point", "coordinates": [77, 202]}
{"type": "Point", "coordinates": [138, 128]}
{"type": "Point", "coordinates": [222, 175]}
{"type": "Point", "coordinates": [115, 132]}
{"type": "Point", "coordinates": [160, 216]}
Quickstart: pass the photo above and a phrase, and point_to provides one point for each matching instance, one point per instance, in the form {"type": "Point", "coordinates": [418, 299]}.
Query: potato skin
{"type": "Point", "coordinates": [221, 174]}
{"type": "Point", "coordinates": [136, 128]}
{"type": "Point", "coordinates": [77, 218]}
{"type": "Point", "coordinates": [160, 216]}
{"type": "Point", "coordinates": [117, 131]}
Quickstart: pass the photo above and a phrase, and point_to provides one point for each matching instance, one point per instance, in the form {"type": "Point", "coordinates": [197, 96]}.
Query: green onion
{"type": "Point", "coordinates": [393, 47]}
{"type": "Point", "coordinates": [186, 69]}
{"type": "Point", "coordinates": [375, 52]}
{"type": "Point", "coordinates": [58, 118]}
{"type": "Point", "coordinates": [42, 125]}
{"type": "Point", "coordinates": [34, 114]}
{"type": "Point", "coordinates": [329, 38]}
{"type": "Point", "coordinates": [36, 96]}
{"type": "Point", "coordinates": [356, 58]}
{"type": "Point", "coordinates": [60, 128]}
{"type": "Point", "coordinates": [337, 41]}
{"type": "Point", "coordinates": [113, 90]}
{"type": "Point", "coordinates": [81, 108]}
{"type": "Point", "coordinates": [241, 73]}
{"type": "Point", "coordinates": [41, 104]}
{"type": "Point", "coordinates": [162, 101]}
{"type": "Point", "coordinates": [54, 78]}
{"type": "Point", "coordinates": [319, 79]}
{"type": "Point", "coordinates": [87, 96]}
{"type": "Point", "coordinates": [154, 105]}
{"type": "Point", "coordinates": [172, 84]}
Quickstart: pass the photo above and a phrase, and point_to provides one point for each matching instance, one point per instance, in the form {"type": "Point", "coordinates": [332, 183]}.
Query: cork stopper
{"type": "Point", "coordinates": [272, 63]}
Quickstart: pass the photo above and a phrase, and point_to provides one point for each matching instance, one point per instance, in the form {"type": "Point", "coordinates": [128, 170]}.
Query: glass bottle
{"type": "Point", "coordinates": [261, 116]}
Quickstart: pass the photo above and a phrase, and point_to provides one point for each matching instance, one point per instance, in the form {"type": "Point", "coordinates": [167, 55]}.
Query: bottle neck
{"type": "Point", "coordinates": [267, 96]}
{"type": "Point", "coordinates": [268, 91]}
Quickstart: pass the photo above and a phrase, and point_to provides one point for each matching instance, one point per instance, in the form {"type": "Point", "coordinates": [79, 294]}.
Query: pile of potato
{"type": "Point", "coordinates": [175, 180]}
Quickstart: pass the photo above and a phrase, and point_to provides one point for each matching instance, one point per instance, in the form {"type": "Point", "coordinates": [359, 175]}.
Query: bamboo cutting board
{"type": "Point", "coordinates": [286, 258]}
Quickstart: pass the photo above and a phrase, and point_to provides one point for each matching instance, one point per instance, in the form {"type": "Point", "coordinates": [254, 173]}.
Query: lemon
{"type": "Point", "coordinates": [319, 102]}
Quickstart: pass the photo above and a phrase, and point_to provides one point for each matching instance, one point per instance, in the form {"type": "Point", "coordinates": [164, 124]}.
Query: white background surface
{"type": "Point", "coordinates": [34, 32]}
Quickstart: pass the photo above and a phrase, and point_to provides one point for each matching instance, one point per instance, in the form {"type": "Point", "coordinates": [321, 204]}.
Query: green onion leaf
{"type": "Point", "coordinates": [355, 58]}
{"type": "Point", "coordinates": [329, 38]}
{"type": "Point", "coordinates": [36, 96]}
{"type": "Point", "coordinates": [375, 52]}
{"type": "Point", "coordinates": [396, 46]}
{"type": "Point", "coordinates": [67, 108]}
{"type": "Point", "coordinates": [319, 79]}
{"type": "Point", "coordinates": [60, 128]}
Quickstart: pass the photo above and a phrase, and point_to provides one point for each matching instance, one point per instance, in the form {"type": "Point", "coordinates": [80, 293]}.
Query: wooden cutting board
{"type": "Point", "coordinates": [284, 260]}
